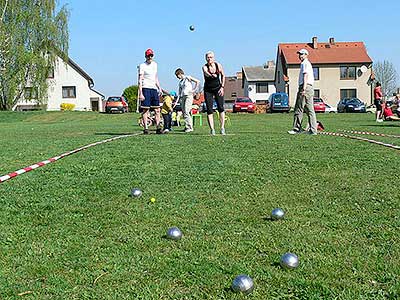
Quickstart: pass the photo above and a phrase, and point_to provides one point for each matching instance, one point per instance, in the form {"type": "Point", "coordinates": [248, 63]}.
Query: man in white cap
{"type": "Point", "coordinates": [305, 96]}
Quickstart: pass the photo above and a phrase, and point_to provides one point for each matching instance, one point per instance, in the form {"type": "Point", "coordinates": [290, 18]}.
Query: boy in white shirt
{"type": "Point", "coordinates": [185, 95]}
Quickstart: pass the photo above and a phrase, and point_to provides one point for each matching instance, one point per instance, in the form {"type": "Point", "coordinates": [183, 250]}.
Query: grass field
{"type": "Point", "coordinates": [69, 230]}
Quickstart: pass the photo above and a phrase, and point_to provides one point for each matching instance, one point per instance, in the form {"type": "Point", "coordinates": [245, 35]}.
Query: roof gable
{"type": "Point", "coordinates": [327, 53]}
{"type": "Point", "coordinates": [259, 73]}
{"type": "Point", "coordinates": [78, 69]}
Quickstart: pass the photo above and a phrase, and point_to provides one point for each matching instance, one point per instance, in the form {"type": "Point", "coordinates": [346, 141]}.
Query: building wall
{"type": "Point", "coordinates": [330, 84]}
{"type": "Point", "coordinates": [250, 91]}
{"type": "Point", "coordinates": [65, 75]}
{"type": "Point", "coordinates": [233, 84]}
{"type": "Point", "coordinates": [280, 84]}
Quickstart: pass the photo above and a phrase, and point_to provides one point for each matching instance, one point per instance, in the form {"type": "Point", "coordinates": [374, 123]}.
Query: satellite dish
{"type": "Point", "coordinates": [363, 68]}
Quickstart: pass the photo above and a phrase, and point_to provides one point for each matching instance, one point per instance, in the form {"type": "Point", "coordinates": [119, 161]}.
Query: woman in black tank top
{"type": "Point", "coordinates": [214, 81]}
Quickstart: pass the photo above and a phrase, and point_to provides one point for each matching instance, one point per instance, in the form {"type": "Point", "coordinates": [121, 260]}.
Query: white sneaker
{"type": "Point", "coordinates": [379, 120]}
{"type": "Point", "coordinates": [223, 131]}
{"type": "Point", "coordinates": [165, 131]}
{"type": "Point", "coordinates": [188, 130]}
{"type": "Point", "coordinates": [212, 132]}
{"type": "Point", "coordinates": [293, 132]}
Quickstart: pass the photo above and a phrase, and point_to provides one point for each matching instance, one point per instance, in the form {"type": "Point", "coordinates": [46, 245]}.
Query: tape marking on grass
{"type": "Point", "coordinates": [370, 133]}
{"type": "Point", "coordinates": [53, 159]}
{"type": "Point", "coordinates": [361, 139]}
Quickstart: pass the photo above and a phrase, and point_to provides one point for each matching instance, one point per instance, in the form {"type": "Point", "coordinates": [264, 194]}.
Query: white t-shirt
{"type": "Point", "coordinates": [306, 67]}
{"type": "Point", "coordinates": [149, 72]}
{"type": "Point", "coordinates": [185, 86]}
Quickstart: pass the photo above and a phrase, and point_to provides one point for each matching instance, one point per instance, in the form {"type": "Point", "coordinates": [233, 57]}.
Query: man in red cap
{"type": "Point", "coordinates": [149, 90]}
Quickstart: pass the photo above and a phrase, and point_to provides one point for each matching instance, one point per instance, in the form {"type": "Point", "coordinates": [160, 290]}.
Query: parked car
{"type": "Point", "coordinates": [330, 109]}
{"type": "Point", "coordinates": [116, 104]}
{"type": "Point", "coordinates": [351, 105]}
{"type": "Point", "coordinates": [243, 104]}
{"type": "Point", "coordinates": [319, 105]}
{"type": "Point", "coordinates": [279, 102]}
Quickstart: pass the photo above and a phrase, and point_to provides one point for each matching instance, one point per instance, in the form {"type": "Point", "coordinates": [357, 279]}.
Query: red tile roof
{"type": "Point", "coordinates": [339, 52]}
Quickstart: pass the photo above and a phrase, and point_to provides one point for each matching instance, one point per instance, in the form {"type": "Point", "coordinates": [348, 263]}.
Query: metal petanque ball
{"type": "Point", "coordinates": [174, 233]}
{"type": "Point", "coordinates": [277, 214]}
{"type": "Point", "coordinates": [191, 28]}
{"type": "Point", "coordinates": [242, 283]}
{"type": "Point", "coordinates": [289, 261]}
{"type": "Point", "coordinates": [136, 192]}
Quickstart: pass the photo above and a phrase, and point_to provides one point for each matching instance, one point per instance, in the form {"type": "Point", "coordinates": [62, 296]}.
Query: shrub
{"type": "Point", "coordinates": [130, 94]}
{"type": "Point", "coordinates": [67, 106]}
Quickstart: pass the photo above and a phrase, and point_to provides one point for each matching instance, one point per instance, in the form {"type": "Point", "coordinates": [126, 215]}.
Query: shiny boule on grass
{"type": "Point", "coordinates": [242, 283]}
{"type": "Point", "coordinates": [135, 192]}
{"type": "Point", "coordinates": [277, 214]}
{"type": "Point", "coordinates": [289, 261]}
{"type": "Point", "coordinates": [174, 233]}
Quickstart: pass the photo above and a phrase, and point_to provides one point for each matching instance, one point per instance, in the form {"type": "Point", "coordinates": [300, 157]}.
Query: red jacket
{"type": "Point", "coordinates": [377, 93]}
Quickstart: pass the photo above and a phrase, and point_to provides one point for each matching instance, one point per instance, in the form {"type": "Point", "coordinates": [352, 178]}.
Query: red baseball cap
{"type": "Point", "coordinates": [149, 52]}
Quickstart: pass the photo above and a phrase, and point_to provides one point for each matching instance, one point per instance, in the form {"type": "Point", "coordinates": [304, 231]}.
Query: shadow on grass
{"type": "Point", "coordinates": [115, 133]}
{"type": "Point", "coordinates": [382, 125]}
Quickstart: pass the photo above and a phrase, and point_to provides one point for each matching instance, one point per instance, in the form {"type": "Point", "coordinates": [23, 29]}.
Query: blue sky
{"type": "Point", "coordinates": [108, 38]}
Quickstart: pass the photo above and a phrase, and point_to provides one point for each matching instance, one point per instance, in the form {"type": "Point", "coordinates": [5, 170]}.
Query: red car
{"type": "Point", "coordinates": [118, 104]}
{"type": "Point", "coordinates": [243, 104]}
{"type": "Point", "coordinates": [319, 105]}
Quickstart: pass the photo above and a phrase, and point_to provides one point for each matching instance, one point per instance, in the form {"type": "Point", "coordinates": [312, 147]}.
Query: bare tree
{"type": "Point", "coordinates": [386, 74]}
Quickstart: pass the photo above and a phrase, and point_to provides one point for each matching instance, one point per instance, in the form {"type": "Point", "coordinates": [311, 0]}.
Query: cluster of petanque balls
{"type": "Point", "coordinates": [242, 283]}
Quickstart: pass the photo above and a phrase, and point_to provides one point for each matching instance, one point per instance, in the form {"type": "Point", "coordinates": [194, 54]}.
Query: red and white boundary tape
{"type": "Point", "coordinates": [370, 133]}
{"type": "Point", "coordinates": [53, 159]}
{"type": "Point", "coordinates": [361, 139]}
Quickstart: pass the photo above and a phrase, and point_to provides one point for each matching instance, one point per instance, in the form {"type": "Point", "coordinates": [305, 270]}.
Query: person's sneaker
{"type": "Point", "coordinates": [166, 130]}
{"type": "Point", "coordinates": [223, 131]}
{"type": "Point", "coordinates": [293, 132]}
{"type": "Point", "coordinates": [158, 131]}
{"type": "Point", "coordinates": [212, 132]}
{"type": "Point", "coordinates": [145, 131]}
{"type": "Point", "coordinates": [379, 120]}
{"type": "Point", "coordinates": [188, 130]}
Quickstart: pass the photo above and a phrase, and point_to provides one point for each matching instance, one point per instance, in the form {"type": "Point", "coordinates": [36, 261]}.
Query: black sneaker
{"type": "Point", "coordinates": [145, 131]}
{"type": "Point", "coordinates": [158, 131]}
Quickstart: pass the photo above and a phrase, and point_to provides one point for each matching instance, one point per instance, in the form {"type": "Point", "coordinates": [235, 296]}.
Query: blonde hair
{"type": "Point", "coordinates": [209, 52]}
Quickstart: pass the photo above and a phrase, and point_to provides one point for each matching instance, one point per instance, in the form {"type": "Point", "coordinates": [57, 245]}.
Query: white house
{"type": "Point", "coordinates": [259, 82]}
{"type": "Point", "coordinates": [68, 83]}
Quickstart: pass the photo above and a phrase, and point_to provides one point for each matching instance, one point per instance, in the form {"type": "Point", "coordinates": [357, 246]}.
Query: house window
{"type": "Point", "coordinates": [347, 73]}
{"type": "Point", "coordinates": [316, 73]}
{"type": "Point", "coordinates": [348, 93]}
{"type": "Point", "coordinates": [261, 87]}
{"type": "Point", "coordinates": [69, 92]}
{"type": "Point", "coordinates": [233, 94]}
{"type": "Point", "coordinates": [50, 74]}
{"type": "Point", "coordinates": [316, 94]}
{"type": "Point", "coordinates": [30, 93]}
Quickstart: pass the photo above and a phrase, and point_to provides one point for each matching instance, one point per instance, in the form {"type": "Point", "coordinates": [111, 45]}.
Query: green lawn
{"type": "Point", "coordinates": [69, 230]}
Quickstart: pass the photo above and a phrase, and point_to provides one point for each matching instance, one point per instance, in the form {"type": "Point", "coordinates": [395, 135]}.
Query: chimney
{"type": "Point", "coordinates": [332, 41]}
{"type": "Point", "coordinates": [239, 75]}
{"type": "Point", "coordinates": [314, 42]}
{"type": "Point", "coordinates": [269, 64]}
